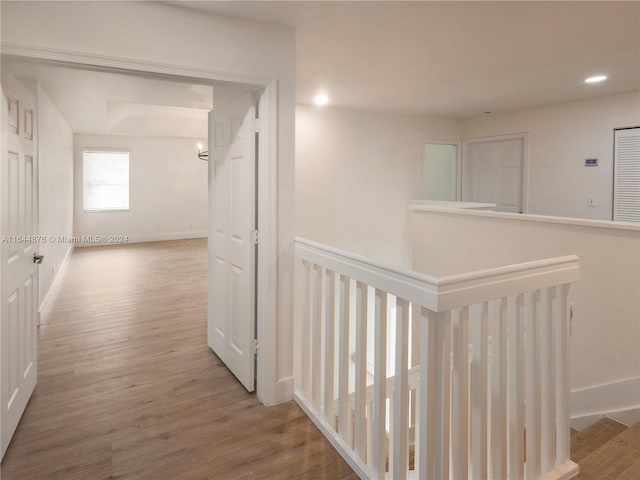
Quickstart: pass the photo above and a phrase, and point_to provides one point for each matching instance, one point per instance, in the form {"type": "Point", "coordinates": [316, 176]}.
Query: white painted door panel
{"type": "Point", "coordinates": [232, 173]}
{"type": "Point", "coordinates": [494, 173]}
{"type": "Point", "coordinates": [626, 177]}
{"type": "Point", "coordinates": [18, 273]}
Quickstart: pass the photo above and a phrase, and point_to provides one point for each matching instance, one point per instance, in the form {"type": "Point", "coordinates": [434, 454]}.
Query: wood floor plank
{"type": "Point", "coordinates": [615, 460]}
{"type": "Point", "coordinates": [593, 437]}
{"type": "Point", "coordinates": [129, 389]}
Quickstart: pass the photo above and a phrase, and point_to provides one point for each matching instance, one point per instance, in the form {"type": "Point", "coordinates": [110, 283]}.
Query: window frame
{"type": "Point", "coordinates": [108, 150]}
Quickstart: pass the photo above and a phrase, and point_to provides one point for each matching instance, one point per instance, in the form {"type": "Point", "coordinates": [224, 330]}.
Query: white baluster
{"type": "Point", "coordinates": [479, 362]}
{"type": "Point", "coordinates": [333, 312]}
{"type": "Point", "coordinates": [344, 413]}
{"type": "Point", "coordinates": [361, 372]}
{"type": "Point", "coordinates": [428, 446]}
{"type": "Point", "coordinates": [547, 385]}
{"type": "Point", "coordinates": [460, 395]}
{"type": "Point", "coordinates": [400, 434]}
{"type": "Point", "coordinates": [497, 313]}
{"type": "Point", "coordinates": [380, 385]}
{"type": "Point", "coordinates": [307, 306]}
{"type": "Point", "coordinates": [515, 444]}
{"type": "Point", "coordinates": [319, 299]}
{"type": "Point", "coordinates": [532, 386]}
{"type": "Point", "coordinates": [414, 361]}
{"type": "Point", "coordinates": [370, 421]}
{"type": "Point", "coordinates": [562, 379]}
{"type": "Point", "coordinates": [441, 403]}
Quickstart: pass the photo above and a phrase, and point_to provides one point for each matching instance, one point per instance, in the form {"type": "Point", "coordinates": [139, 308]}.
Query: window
{"type": "Point", "coordinates": [105, 180]}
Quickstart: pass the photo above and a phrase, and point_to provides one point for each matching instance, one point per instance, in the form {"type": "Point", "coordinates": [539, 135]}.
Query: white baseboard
{"type": "Point", "coordinates": [284, 390]}
{"type": "Point", "coordinates": [152, 237]}
{"type": "Point", "coordinates": [618, 400]}
{"type": "Point", "coordinates": [580, 423]}
{"type": "Point", "coordinates": [43, 309]}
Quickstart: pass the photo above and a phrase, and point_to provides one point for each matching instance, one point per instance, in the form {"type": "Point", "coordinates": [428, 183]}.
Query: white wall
{"type": "Point", "coordinates": [167, 189]}
{"type": "Point", "coordinates": [55, 188]}
{"type": "Point", "coordinates": [606, 328]}
{"type": "Point", "coordinates": [561, 137]}
{"type": "Point", "coordinates": [160, 34]}
{"type": "Point", "coordinates": [355, 172]}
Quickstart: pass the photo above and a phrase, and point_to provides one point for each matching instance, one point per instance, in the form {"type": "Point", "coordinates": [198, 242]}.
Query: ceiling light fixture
{"type": "Point", "coordinates": [595, 79]}
{"type": "Point", "coordinates": [321, 99]}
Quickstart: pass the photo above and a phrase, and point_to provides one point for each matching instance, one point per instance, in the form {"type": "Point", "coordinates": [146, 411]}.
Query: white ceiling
{"type": "Point", "coordinates": [452, 58]}
{"type": "Point", "coordinates": [102, 103]}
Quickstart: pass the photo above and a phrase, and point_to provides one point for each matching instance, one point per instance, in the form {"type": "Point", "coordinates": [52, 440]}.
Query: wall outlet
{"type": "Point", "coordinates": [591, 202]}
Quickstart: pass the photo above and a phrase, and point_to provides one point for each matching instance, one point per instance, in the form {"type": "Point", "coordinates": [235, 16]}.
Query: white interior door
{"type": "Point", "coordinates": [493, 172]}
{"type": "Point", "coordinates": [232, 246]}
{"type": "Point", "coordinates": [18, 272]}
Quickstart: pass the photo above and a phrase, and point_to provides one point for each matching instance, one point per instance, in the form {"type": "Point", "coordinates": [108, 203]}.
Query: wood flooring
{"type": "Point", "coordinates": [607, 450]}
{"type": "Point", "coordinates": [128, 389]}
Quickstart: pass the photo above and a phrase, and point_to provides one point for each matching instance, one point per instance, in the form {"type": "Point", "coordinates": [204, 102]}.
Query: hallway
{"type": "Point", "coordinates": [127, 387]}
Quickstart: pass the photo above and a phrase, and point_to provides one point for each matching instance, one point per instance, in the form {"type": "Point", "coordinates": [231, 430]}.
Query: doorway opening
{"type": "Point", "coordinates": [441, 172]}
{"type": "Point", "coordinates": [262, 265]}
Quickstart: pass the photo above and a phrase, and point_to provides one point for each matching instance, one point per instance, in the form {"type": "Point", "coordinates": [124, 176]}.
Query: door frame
{"type": "Point", "coordinates": [267, 193]}
{"type": "Point", "coordinates": [458, 145]}
{"type": "Point", "coordinates": [524, 136]}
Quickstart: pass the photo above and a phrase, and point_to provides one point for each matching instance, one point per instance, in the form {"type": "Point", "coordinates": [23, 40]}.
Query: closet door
{"type": "Point", "coordinates": [626, 176]}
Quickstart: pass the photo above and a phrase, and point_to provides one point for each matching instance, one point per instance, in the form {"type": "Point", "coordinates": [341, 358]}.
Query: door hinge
{"type": "Point", "coordinates": [255, 237]}
{"type": "Point", "coordinates": [256, 125]}
{"type": "Point", "coordinates": [255, 346]}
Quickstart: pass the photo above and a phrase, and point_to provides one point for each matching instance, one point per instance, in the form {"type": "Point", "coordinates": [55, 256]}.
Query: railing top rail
{"type": "Point", "coordinates": [413, 286]}
{"type": "Point", "coordinates": [444, 293]}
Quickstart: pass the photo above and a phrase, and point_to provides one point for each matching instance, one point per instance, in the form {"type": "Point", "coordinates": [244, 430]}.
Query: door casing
{"type": "Point", "coordinates": [267, 387]}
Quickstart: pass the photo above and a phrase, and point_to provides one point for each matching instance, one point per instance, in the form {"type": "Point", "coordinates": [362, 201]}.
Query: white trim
{"type": "Point", "coordinates": [43, 309]}
{"type": "Point", "coordinates": [117, 63]}
{"type": "Point", "coordinates": [267, 388]}
{"type": "Point", "coordinates": [580, 423]}
{"type": "Point", "coordinates": [150, 237]}
{"type": "Point", "coordinates": [565, 471]}
{"type": "Point", "coordinates": [527, 217]}
{"type": "Point", "coordinates": [525, 161]}
{"type": "Point", "coordinates": [444, 204]}
{"type": "Point", "coordinates": [443, 293]}
{"type": "Point", "coordinates": [342, 448]}
{"type": "Point", "coordinates": [627, 417]}
{"type": "Point", "coordinates": [603, 399]}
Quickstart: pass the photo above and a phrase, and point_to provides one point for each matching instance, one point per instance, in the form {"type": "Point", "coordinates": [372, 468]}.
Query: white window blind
{"type": "Point", "coordinates": [105, 180]}
{"type": "Point", "coordinates": [626, 190]}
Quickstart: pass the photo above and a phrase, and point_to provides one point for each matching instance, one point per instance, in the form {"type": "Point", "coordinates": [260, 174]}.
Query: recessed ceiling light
{"type": "Point", "coordinates": [595, 79]}
{"type": "Point", "coordinates": [321, 99]}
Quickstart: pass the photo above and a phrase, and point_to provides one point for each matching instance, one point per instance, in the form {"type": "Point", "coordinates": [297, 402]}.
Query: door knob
{"type": "Point", "coordinates": [38, 258]}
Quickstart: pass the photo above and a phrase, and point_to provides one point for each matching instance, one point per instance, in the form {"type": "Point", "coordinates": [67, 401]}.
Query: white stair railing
{"type": "Point", "coordinates": [411, 376]}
